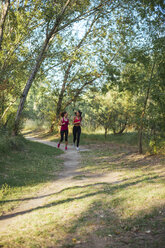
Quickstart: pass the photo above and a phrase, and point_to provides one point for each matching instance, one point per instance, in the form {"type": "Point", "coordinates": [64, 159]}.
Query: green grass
{"type": "Point", "coordinates": [9, 143]}
{"type": "Point", "coordinates": [97, 137]}
{"type": "Point", "coordinates": [87, 137]}
{"type": "Point", "coordinates": [24, 171]}
{"type": "Point", "coordinates": [127, 210]}
{"type": "Point", "coordinates": [93, 138]}
{"type": "Point", "coordinates": [125, 138]}
{"type": "Point", "coordinates": [136, 202]}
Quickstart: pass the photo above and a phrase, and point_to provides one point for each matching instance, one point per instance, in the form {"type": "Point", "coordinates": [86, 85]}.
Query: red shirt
{"type": "Point", "coordinates": [76, 120]}
{"type": "Point", "coordinates": [65, 126]}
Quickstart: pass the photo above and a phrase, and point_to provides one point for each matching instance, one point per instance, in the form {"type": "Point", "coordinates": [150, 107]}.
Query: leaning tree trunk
{"type": "Point", "coordinates": [140, 145]}
{"type": "Point", "coordinates": [121, 130]}
{"type": "Point", "coordinates": [61, 96]}
{"type": "Point", "coordinates": [28, 85]}
{"type": "Point", "coordinates": [36, 67]}
{"type": "Point", "coordinates": [66, 76]}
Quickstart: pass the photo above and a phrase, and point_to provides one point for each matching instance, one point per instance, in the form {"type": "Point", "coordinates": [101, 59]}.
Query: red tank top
{"type": "Point", "coordinates": [77, 120]}
{"type": "Point", "coordinates": [65, 126]}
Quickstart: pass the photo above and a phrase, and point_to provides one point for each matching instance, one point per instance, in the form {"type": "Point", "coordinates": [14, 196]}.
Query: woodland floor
{"type": "Point", "coordinates": [106, 196]}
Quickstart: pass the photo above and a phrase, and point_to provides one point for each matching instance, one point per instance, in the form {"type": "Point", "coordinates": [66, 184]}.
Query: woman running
{"type": "Point", "coordinates": [77, 128]}
{"type": "Point", "coordinates": [64, 122]}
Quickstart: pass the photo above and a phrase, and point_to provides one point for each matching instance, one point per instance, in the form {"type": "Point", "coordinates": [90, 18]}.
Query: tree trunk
{"type": "Point", "coordinates": [5, 9]}
{"type": "Point", "coordinates": [2, 97]}
{"type": "Point", "coordinates": [144, 110]}
{"type": "Point", "coordinates": [36, 67]}
{"type": "Point", "coordinates": [121, 130]}
{"type": "Point", "coordinates": [56, 28]}
{"type": "Point", "coordinates": [78, 92]}
{"type": "Point", "coordinates": [106, 131]}
{"type": "Point", "coordinates": [28, 85]}
{"type": "Point", "coordinates": [66, 76]}
{"type": "Point", "coordinates": [140, 141]}
{"type": "Point", "coordinates": [4, 111]}
{"type": "Point", "coordinates": [60, 99]}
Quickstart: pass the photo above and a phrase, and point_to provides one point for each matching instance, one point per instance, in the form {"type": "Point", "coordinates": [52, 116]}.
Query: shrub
{"type": "Point", "coordinates": [8, 142]}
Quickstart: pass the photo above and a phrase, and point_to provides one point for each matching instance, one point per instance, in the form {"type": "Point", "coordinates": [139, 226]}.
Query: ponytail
{"type": "Point", "coordinates": [63, 113]}
{"type": "Point", "coordinates": [80, 114]}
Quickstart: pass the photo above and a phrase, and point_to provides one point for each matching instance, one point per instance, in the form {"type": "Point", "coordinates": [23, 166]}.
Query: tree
{"type": "Point", "coordinates": [112, 111]}
{"type": "Point", "coordinates": [5, 5]}
{"type": "Point", "coordinates": [67, 81]}
{"type": "Point", "coordinates": [64, 16]}
{"type": "Point", "coordinates": [141, 77]}
{"type": "Point", "coordinates": [15, 54]}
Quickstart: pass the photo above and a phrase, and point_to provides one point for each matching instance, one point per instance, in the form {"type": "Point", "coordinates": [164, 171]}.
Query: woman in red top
{"type": "Point", "coordinates": [77, 128]}
{"type": "Point", "coordinates": [64, 122]}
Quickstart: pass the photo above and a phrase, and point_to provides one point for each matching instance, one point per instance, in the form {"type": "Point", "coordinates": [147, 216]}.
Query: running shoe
{"type": "Point", "coordinates": [78, 149]}
{"type": "Point", "coordinates": [73, 145]}
{"type": "Point", "coordinates": [66, 148]}
{"type": "Point", "coordinates": [58, 145]}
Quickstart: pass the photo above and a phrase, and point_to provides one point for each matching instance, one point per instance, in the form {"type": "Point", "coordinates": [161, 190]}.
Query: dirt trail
{"type": "Point", "coordinates": [72, 160]}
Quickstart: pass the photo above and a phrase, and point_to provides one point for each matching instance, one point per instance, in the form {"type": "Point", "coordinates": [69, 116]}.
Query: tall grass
{"type": "Point", "coordinates": [35, 125]}
{"type": "Point", "coordinates": [88, 138]}
{"type": "Point", "coordinates": [125, 138]}
{"type": "Point", "coordinates": [8, 142]}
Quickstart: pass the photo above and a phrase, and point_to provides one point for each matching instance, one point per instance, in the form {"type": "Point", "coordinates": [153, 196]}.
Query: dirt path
{"type": "Point", "coordinates": [72, 162]}
{"type": "Point", "coordinates": [72, 176]}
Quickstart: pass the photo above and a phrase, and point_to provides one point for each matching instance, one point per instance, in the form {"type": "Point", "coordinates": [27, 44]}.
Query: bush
{"type": "Point", "coordinates": [8, 142]}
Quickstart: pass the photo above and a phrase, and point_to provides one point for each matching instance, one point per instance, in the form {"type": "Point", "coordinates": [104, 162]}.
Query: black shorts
{"type": "Point", "coordinates": [64, 132]}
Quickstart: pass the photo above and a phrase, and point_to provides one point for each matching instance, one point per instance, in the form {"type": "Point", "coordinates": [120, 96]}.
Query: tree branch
{"type": "Point", "coordinates": [79, 91]}
{"type": "Point", "coordinates": [5, 9]}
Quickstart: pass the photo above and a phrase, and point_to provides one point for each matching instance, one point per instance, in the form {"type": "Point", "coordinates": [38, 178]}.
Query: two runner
{"type": "Point", "coordinates": [64, 122]}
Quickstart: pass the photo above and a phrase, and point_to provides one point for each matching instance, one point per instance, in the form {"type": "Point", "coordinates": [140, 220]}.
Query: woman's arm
{"type": "Point", "coordinates": [79, 122]}
{"type": "Point", "coordinates": [73, 120]}
{"type": "Point", "coordinates": [61, 123]}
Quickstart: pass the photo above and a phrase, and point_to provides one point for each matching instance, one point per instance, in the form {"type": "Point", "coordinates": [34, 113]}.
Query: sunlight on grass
{"type": "Point", "coordinates": [54, 220]}
{"type": "Point", "coordinates": [125, 200]}
{"type": "Point", "coordinates": [24, 172]}
{"type": "Point", "coordinates": [76, 210]}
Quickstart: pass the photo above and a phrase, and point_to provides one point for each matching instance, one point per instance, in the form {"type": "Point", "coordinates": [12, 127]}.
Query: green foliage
{"type": "Point", "coordinates": [107, 73]}
{"type": "Point", "coordinates": [112, 111]}
{"type": "Point", "coordinates": [9, 143]}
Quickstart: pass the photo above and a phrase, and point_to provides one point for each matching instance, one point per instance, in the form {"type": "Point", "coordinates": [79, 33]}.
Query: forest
{"type": "Point", "coordinates": [105, 57]}
{"type": "Point", "coordinates": [104, 60]}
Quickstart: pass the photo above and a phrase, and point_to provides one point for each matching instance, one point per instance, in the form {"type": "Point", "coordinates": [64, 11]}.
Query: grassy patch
{"type": "Point", "coordinates": [87, 138]}
{"type": "Point", "coordinates": [79, 177]}
{"type": "Point", "coordinates": [9, 143]}
{"type": "Point", "coordinates": [125, 138]}
{"type": "Point", "coordinates": [128, 211]}
{"type": "Point", "coordinates": [23, 172]}
{"type": "Point", "coordinates": [133, 208]}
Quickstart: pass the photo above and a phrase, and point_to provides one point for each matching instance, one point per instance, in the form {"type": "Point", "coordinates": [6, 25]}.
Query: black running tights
{"type": "Point", "coordinates": [76, 134]}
